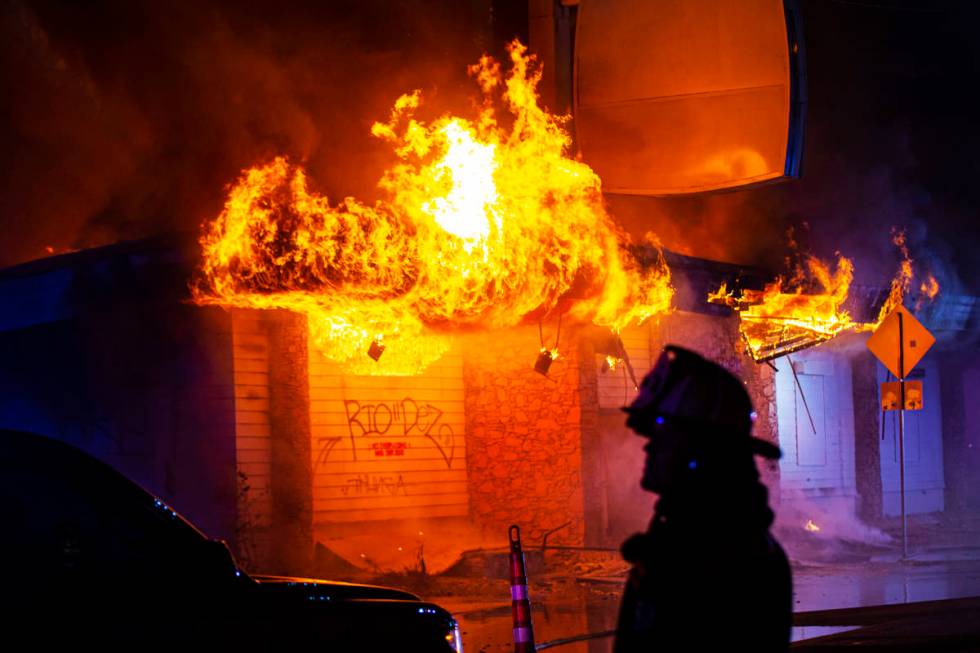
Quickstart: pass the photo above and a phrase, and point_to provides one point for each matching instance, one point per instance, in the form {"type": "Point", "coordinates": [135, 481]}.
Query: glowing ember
{"type": "Point", "coordinates": [480, 226]}
{"type": "Point", "coordinates": [810, 526]}
{"type": "Point", "coordinates": [782, 318]}
{"type": "Point", "coordinates": [50, 250]}
{"type": "Point", "coordinates": [929, 288]}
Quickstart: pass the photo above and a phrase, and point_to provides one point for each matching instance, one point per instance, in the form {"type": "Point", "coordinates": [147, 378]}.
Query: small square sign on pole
{"type": "Point", "coordinates": [891, 395]}
{"type": "Point", "coordinates": [913, 395]}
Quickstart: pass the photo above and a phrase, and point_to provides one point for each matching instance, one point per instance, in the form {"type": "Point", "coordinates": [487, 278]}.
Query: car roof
{"type": "Point", "coordinates": [28, 451]}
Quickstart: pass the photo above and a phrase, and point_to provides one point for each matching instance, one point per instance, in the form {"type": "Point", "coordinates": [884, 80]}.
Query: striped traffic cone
{"type": "Point", "coordinates": [520, 605]}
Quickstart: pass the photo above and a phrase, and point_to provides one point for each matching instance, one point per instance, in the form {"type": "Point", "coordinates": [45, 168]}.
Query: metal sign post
{"type": "Point", "coordinates": [900, 342]}
{"type": "Point", "coordinates": [901, 435]}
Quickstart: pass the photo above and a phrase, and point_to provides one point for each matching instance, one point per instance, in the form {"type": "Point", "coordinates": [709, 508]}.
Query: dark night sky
{"type": "Point", "coordinates": [126, 119]}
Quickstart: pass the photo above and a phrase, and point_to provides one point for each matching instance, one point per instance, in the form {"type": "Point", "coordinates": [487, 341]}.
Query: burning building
{"type": "Point", "coordinates": [238, 419]}
{"type": "Point", "coordinates": [235, 417]}
{"type": "Point", "coordinates": [430, 367]}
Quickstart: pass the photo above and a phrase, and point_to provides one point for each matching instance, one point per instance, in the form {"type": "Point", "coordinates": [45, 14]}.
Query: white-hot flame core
{"type": "Point", "coordinates": [468, 167]}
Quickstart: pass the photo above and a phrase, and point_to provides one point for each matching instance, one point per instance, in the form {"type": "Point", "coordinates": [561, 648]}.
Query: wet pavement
{"type": "Point", "coordinates": [568, 608]}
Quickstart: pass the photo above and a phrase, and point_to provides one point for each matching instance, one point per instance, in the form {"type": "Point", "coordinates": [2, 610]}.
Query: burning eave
{"type": "Point", "coordinates": [768, 336]}
{"type": "Point", "coordinates": [814, 303]}
{"type": "Point", "coordinates": [778, 337]}
{"type": "Point", "coordinates": [814, 319]}
{"type": "Point", "coordinates": [694, 278]}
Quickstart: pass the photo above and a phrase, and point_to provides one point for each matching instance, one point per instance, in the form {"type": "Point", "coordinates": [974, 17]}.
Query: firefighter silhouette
{"type": "Point", "coordinates": [707, 574]}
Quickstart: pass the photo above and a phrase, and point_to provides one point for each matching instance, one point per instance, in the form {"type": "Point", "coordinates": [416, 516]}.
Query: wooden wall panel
{"type": "Point", "coordinates": [388, 447]}
{"type": "Point", "coordinates": [250, 348]}
{"type": "Point", "coordinates": [615, 386]}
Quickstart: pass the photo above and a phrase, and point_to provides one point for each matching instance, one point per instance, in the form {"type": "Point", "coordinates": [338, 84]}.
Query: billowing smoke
{"type": "Point", "coordinates": [829, 519]}
{"type": "Point", "coordinates": [129, 119]}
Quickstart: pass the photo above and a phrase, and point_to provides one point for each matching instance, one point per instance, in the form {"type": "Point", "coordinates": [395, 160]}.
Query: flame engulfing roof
{"type": "Point", "coordinates": [784, 317]}
{"type": "Point", "coordinates": [483, 223]}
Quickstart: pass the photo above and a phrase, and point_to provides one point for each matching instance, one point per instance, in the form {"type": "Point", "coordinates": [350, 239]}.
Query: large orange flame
{"type": "Point", "coordinates": [480, 226]}
{"type": "Point", "coordinates": [787, 315]}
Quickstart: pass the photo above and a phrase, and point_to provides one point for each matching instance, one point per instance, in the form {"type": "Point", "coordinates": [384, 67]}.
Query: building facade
{"type": "Point", "coordinates": [235, 420]}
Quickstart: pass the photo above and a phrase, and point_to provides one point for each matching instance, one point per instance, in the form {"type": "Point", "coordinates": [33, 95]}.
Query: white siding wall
{"type": "Point", "coordinates": [253, 436]}
{"type": "Point", "coordinates": [818, 458]}
{"type": "Point", "coordinates": [388, 447]}
{"type": "Point", "coordinates": [615, 386]}
{"type": "Point", "coordinates": [924, 480]}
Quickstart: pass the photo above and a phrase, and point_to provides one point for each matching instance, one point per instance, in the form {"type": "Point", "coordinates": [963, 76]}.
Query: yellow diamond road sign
{"type": "Point", "coordinates": [915, 341]}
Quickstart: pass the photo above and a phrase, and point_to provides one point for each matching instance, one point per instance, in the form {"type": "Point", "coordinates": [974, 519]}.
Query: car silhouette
{"type": "Point", "coordinates": [89, 557]}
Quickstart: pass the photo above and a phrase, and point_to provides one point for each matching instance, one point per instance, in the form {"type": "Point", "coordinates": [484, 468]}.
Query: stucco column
{"type": "Point", "coordinates": [867, 437]}
{"type": "Point", "coordinates": [291, 474]}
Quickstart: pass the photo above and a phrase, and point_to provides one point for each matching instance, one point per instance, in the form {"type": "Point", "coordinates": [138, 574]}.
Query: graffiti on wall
{"type": "Point", "coordinates": [389, 448]}
{"type": "Point", "coordinates": [324, 447]}
{"type": "Point", "coordinates": [402, 418]}
{"type": "Point", "coordinates": [365, 484]}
